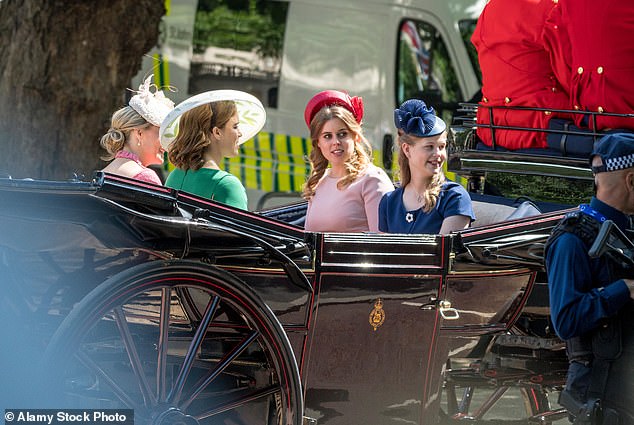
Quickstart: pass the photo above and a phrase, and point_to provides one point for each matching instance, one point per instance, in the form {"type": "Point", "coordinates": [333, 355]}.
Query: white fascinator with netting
{"type": "Point", "coordinates": [251, 113]}
{"type": "Point", "coordinates": [151, 103]}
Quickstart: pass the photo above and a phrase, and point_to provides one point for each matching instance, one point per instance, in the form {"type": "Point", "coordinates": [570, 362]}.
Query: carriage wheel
{"type": "Point", "coordinates": [177, 342]}
{"type": "Point", "coordinates": [477, 400]}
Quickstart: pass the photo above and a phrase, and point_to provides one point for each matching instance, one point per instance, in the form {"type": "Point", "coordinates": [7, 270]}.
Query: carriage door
{"type": "Point", "coordinates": [371, 349]}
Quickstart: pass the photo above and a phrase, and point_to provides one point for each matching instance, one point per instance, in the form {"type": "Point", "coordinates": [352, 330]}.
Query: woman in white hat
{"type": "Point", "coordinates": [204, 130]}
{"type": "Point", "coordinates": [132, 141]}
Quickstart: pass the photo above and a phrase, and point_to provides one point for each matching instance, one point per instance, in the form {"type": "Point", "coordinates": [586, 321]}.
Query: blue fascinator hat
{"type": "Point", "coordinates": [416, 118]}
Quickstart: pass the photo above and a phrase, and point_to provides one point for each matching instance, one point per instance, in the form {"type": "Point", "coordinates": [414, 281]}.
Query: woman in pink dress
{"type": "Point", "coordinates": [344, 188]}
{"type": "Point", "coordinates": [132, 141]}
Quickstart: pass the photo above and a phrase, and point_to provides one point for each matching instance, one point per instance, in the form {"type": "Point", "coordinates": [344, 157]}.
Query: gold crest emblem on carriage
{"type": "Point", "coordinates": [377, 315]}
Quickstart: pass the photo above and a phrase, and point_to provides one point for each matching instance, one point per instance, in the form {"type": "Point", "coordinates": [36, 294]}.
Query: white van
{"type": "Point", "coordinates": [284, 52]}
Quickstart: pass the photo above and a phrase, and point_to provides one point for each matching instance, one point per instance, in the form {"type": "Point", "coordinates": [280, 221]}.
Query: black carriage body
{"type": "Point", "coordinates": [371, 318]}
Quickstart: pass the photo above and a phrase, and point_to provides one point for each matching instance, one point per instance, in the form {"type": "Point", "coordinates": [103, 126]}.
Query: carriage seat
{"type": "Point", "coordinates": [490, 213]}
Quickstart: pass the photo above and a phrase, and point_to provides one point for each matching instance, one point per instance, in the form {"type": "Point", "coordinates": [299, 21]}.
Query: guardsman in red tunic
{"type": "Point", "coordinates": [602, 42]}
{"type": "Point", "coordinates": [517, 42]}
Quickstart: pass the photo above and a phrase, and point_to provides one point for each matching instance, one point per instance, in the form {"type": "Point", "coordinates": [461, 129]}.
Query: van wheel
{"type": "Point", "coordinates": [176, 342]}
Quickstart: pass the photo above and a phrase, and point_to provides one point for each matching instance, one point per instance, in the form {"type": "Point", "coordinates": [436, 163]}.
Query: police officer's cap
{"type": "Point", "coordinates": [616, 151]}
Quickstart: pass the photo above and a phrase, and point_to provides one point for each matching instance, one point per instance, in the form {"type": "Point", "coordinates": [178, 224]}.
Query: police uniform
{"type": "Point", "coordinates": [589, 299]}
{"type": "Point", "coordinates": [516, 43]}
{"type": "Point", "coordinates": [602, 58]}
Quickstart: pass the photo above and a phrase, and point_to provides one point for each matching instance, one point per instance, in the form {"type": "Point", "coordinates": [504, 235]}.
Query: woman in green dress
{"type": "Point", "coordinates": [209, 129]}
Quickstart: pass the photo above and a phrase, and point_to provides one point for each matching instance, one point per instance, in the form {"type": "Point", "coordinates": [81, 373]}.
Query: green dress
{"type": "Point", "coordinates": [217, 185]}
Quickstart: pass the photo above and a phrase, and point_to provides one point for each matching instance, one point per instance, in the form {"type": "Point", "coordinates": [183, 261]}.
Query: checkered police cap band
{"type": "Point", "coordinates": [614, 164]}
{"type": "Point", "coordinates": [619, 163]}
{"type": "Point", "coordinates": [616, 151]}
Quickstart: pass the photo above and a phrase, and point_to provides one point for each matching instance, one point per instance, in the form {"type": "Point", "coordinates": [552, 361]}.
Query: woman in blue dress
{"type": "Point", "coordinates": [425, 202]}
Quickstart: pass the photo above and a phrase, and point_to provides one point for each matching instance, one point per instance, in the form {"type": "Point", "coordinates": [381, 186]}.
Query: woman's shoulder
{"type": "Point", "coordinates": [148, 175]}
{"type": "Point", "coordinates": [225, 178]}
{"type": "Point", "coordinates": [453, 187]}
{"type": "Point", "coordinates": [395, 195]}
{"type": "Point", "coordinates": [372, 170]}
{"type": "Point", "coordinates": [127, 168]}
{"type": "Point", "coordinates": [376, 175]}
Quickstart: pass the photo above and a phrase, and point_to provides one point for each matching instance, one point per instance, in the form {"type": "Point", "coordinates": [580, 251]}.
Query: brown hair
{"type": "Point", "coordinates": [122, 123]}
{"type": "Point", "coordinates": [361, 157]}
{"type": "Point", "coordinates": [405, 175]}
{"type": "Point", "coordinates": [194, 133]}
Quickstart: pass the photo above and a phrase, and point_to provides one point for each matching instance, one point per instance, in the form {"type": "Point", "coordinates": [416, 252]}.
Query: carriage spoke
{"type": "Point", "coordinates": [490, 402]}
{"type": "Point", "coordinates": [161, 364]}
{"type": "Point", "coordinates": [176, 392]}
{"type": "Point", "coordinates": [240, 401]}
{"type": "Point", "coordinates": [133, 355]}
{"type": "Point", "coordinates": [465, 402]}
{"type": "Point", "coordinates": [452, 400]}
{"type": "Point", "coordinates": [220, 367]}
{"type": "Point", "coordinates": [116, 389]}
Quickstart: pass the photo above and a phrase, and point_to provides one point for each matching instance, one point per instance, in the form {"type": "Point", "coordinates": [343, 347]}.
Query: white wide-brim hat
{"type": "Point", "coordinates": [251, 113]}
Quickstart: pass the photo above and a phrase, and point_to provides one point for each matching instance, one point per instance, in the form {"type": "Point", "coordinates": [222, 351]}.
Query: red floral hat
{"type": "Point", "coordinates": [333, 97]}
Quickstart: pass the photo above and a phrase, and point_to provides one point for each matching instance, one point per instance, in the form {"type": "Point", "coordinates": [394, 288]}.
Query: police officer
{"type": "Point", "coordinates": [590, 301]}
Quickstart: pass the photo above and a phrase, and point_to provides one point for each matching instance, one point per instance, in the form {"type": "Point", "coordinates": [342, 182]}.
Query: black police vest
{"type": "Point", "coordinates": [586, 228]}
{"type": "Point", "coordinates": [598, 348]}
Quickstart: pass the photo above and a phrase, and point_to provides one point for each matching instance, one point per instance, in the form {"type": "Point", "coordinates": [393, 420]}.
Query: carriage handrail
{"type": "Point", "coordinates": [297, 277]}
{"type": "Point", "coordinates": [469, 119]}
{"type": "Point", "coordinates": [201, 219]}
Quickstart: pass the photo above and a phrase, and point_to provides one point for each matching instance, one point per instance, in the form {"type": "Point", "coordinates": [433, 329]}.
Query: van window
{"type": "Point", "coordinates": [238, 45]}
{"type": "Point", "coordinates": [424, 69]}
{"type": "Point", "coordinates": [467, 27]}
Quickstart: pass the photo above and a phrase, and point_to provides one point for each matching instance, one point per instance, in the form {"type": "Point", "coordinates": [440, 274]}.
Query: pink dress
{"type": "Point", "coordinates": [146, 175]}
{"type": "Point", "coordinates": [353, 209]}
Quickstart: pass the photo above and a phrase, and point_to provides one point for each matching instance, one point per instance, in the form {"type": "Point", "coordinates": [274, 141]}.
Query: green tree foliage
{"type": "Point", "coordinates": [241, 25]}
{"type": "Point", "coordinates": [542, 188]}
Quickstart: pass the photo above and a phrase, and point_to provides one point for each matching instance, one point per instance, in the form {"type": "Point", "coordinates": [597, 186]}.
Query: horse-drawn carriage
{"type": "Point", "coordinates": [116, 293]}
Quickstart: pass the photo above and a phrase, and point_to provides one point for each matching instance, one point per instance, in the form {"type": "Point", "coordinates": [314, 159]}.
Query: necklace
{"type": "Point", "coordinates": [420, 197]}
{"type": "Point", "coordinates": [128, 155]}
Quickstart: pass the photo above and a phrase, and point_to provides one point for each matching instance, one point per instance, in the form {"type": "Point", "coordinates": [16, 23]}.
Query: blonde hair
{"type": "Point", "coordinates": [405, 175]}
{"type": "Point", "coordinates": [194, 133]}
{"type": "Point", "coordinates": [122, 123]}
{"type": "Point", "coordinates": [358, 162]}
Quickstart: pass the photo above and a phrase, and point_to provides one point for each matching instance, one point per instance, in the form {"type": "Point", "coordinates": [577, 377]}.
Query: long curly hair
{"type": "Point", "coordinates": [356, 164]}
{"type": "Point", "coordinates": [405, 175]}
{"type": "Point", "coordinates": [194, 133]}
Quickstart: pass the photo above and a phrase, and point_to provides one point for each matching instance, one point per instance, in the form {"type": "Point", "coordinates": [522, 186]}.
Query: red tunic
{"type": "Point", "coordinates": [602, 41]}
{"type": "Point", "coordinates": [517, 43]}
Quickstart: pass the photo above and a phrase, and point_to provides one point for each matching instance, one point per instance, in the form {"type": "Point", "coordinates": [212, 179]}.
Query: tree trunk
{"type": "Point", "coordinates": [65, 67]}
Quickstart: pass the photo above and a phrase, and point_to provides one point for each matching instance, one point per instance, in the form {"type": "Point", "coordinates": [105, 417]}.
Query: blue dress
{"type": "Point", "coordinates": [453, 199]}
